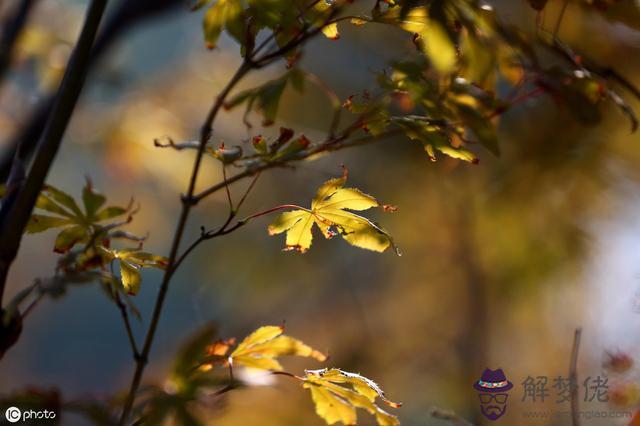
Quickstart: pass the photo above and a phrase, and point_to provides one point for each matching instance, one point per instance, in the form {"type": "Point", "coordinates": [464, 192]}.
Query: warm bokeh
{"type": "Point", "coordinates": [501, 260]}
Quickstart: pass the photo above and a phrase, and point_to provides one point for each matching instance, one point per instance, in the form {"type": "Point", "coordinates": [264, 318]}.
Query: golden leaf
{"type": "Point", "coordinates": [329, 212]}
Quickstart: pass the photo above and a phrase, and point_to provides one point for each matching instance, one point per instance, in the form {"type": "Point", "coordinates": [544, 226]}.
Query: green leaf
{"type": "Point", "coordinates": [45, 203]}
{"type": "Point", "coordinates": [92, 200]}
{"type": "Point", "coordinates": [481, 127]}
{"type": "Point", "coordinates": [39, 223]}
{"type": "Point", "coordinates": [266, 98]}
{"type": "Point", "coordinates": [68, 238]}
{"type": "Point", "coordinates": [109, 213]}
{"type": "Point", "coordinates": [64, 199]}
{"type": "Point", "coordinates": [224, 13]}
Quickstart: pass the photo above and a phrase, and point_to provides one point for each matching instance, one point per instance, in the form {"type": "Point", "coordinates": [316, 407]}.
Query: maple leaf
{"type": "Point", "coordinates": [260, 349]}
{"type": "Point", "coordinates": [337, 394]}
{"type": "Point", "coordinates": [329, 212]}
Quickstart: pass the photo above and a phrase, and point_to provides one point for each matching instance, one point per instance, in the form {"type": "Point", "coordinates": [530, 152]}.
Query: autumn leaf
{"type": "Point", "coordinates": [261, 348]}
{"type": "Point", "coordinates": [329, 212]}
{"type": "Point", "coordinates": [77, 225]}
{"type": "Point", "coordinates": [131, 260]}
{"type": "Point", "coordinates": [337, 394]}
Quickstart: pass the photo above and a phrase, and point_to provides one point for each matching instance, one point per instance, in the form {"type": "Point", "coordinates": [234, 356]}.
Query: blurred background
{"type": "Point", "coordinates": [501, 260]}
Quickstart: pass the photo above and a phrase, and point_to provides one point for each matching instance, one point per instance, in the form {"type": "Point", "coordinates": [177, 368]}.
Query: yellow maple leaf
{"type": "Point", "coordinates": [338, 403]}
{"type": "Point", "coordinates": [261, 348]}
{"type": "Point", "coordinates": [329, 212]}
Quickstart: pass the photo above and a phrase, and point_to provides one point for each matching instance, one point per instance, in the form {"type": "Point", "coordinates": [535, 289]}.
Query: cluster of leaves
{"type": "Point", "coordinates": [84, 242]}
{"type": "Point", "coordinates": [329, 212]}
{"type": "Point", "coordinates": [284, 20]}
{"type": "Point", "coordinates": [446, 98]}
{"type": "Point", "coordinates": [196, 374]}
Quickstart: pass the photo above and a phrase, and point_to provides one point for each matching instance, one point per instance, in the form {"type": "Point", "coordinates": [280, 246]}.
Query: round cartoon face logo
{"type": "Point", "coordinates": [492, 390]}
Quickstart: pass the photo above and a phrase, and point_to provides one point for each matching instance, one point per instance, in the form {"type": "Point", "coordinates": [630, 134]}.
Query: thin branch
{"type": "Point", "coordinates": [187, 204]}
{"type": "Point", "coordinates": [15, 215]}
{"type": "Point", "coordinates": [560, 18]}
{"type": "Point", "coordinates": [249, 188]}
{"type": "Point", "coordinates": [573, 378]}
{"type": "Point", "coordinates": [127, 324]}
{"type": "Point", "coordinates": [334, 144]}
{"type": "Point", "coordinates": [188, 201]}
{"type": "Point", "coordinates": [228, 191]}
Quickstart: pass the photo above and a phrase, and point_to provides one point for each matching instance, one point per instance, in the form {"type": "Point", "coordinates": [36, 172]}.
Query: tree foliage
{"type": "Point", "coordinates": [448, 96]}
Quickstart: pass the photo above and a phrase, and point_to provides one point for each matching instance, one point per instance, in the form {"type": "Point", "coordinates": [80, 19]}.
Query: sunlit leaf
{"type": "Point", "coordinates": [224, 13]}
{"type": "Point", "coordinates": [329, 212]}
{"type": "Point", "coordinates": [438, 47]}
{"type": "Point", "coordinates": [131, 278]}
{"type": "Point", "coordinates": [338, 393]}
{"type": "Point", "coordinates": [261, 348]}
{"type": "Point", "coordinates": [331, 31]}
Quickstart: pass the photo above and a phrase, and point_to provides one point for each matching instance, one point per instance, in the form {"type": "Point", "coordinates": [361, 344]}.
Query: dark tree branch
{"type": "Point", "coordinates": [127, 325]}
{"type": "Point", "coordinates": [187, 204]}
{"type": "Point", "coordinates": [11, 29]}
{"type": "Point", "coordinates": [128, 14]}
{"type": "Point", "coordinates": [15, 215]}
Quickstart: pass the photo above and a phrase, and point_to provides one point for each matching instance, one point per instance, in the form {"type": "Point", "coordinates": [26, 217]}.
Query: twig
{"type": "Point", "coordinates": [573, 378]}
{"type": "Point", "coordinates": [228, 191]}
{"type": "Point", "coordinates": [188, 201]}
{"type": "Point", "coordinates": [187, 204]}
{"type": "Point", "coordinates": [560, 18]}
{"type": "Point", "coordinates": [14, 216]}
{"type": "Point", "coordinates": [127, 325]}
{"type": "Point", "coordinates": [449, 416]}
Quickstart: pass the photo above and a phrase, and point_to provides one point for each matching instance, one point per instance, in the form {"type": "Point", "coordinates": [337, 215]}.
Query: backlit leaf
{"type": "Point", "coordinates": [224, 13]}
{"type": "Point", "coordinates": [131, 278]}
{"type": "Point", "coordinates": [329, 212]}
{"type": "Point", "coordinates": [331, 31]}
{"type": "Point", "coordinates": [261, 348]}
{"type": "Point", "coordinates": [338, 393]}
{"type": "Point", "coordinates": [438, 47]}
